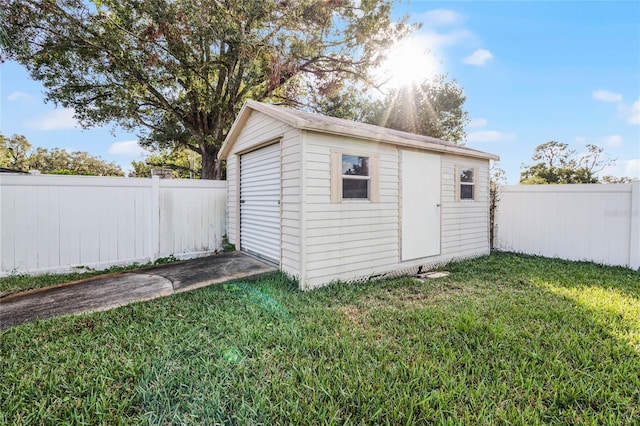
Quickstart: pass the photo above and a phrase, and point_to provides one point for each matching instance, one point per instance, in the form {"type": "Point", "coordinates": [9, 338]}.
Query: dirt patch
{"type": "Point", "coordinates": [353, 314]}
{"type": "Point", "coordinates": [403, 298]}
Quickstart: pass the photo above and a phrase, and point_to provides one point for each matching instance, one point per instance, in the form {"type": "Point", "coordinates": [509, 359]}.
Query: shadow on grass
{"type": "Point", "coordinates": [611, 295]}
{"type": "Point", "coordinates": [488, 344]}
{"type": "Point", "coordinates": [563, 273]}
{"type": "Point", "coordinates": [484, 345]}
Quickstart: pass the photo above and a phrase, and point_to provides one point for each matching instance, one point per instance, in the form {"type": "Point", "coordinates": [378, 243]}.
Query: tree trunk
{"type": "Point", "coordinates": [210, 168]}
{"type": "Point", "coordinates": [218, 171]}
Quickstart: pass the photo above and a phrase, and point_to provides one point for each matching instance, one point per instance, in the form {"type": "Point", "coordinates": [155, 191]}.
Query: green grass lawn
{"type": "Point", "coordinates": [22, 282]}
{"type": "Point", "coordinates": [505, 339]}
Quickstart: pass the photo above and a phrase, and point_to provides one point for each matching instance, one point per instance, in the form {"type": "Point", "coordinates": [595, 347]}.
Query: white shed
{"type": "Point", "coordinates": [329, 199]}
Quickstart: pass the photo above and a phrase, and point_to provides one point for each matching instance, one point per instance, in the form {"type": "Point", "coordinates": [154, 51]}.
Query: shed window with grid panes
{"type": "Point", "coordinates": [356, 180]}
{"type": "Point", "coordinates": [466, 184]}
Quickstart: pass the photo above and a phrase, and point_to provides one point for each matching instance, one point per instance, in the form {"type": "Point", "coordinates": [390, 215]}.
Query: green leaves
{"type": "Point", "coordinates": [16, 153]}
{"type": "Point", "coordinates": [433, 108]}
{"type": "Point", "coordinates": [185, 67]}
{"type": "Point", "coordinates": [184, 163]}
{"type": "Point", "coordinates": [560, 165]}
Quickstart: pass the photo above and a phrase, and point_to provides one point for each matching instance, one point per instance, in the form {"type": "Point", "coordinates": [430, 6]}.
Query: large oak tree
{"type": "Point", "coordinates": [181, 69]}
{"type": "Point", "coordinates": [433, 107]}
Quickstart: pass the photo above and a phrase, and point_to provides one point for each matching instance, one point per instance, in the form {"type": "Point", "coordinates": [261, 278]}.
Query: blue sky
{"type": "Point", "coordinates": [532, 72]}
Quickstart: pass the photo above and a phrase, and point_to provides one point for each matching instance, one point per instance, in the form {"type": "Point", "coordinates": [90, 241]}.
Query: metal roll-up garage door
{"type": "Point", "coordinates": [260, 203]}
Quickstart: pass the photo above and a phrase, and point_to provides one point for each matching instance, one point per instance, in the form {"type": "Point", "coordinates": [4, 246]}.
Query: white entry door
{"type": "Point", "coordinates": [420, 205]}
{"type": "Point", "coordinates": [260, 203]}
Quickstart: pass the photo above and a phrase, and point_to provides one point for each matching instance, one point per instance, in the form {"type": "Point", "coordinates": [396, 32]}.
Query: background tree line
{"type": "Point", "coordinates": [17, 153]}
{"type": "Point", "coordinates": [557, 164]}
{"type": "Point", "coordinates": [179, 71]}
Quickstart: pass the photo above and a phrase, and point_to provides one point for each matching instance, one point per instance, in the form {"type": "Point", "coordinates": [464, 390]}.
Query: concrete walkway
{"type": "Point", "coordinates": [106, 292]}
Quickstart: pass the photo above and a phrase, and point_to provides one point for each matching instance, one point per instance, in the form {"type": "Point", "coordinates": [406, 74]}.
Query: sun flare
{"type": "Point", "coordinates": [407, 62]}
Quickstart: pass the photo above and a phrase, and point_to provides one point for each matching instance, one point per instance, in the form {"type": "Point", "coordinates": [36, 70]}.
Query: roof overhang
{"type": "Point", "coordinates": [338, 127]}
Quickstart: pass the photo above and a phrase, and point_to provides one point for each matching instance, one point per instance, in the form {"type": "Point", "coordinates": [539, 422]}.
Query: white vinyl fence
{"type": "Point", "coordinates": [599, 223]}
{"type": "Point", "coordinates": [53, 223]}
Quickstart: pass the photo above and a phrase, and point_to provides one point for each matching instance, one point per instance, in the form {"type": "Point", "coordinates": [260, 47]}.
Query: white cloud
{"type": "Point", "coordinates": [623, 168]}
{"type": "Point", "coordinates": [634, 117]}
{"type": "Point", "coordinates": [613, 140]}
{"type": "Point", "coordinates": [490, 136]}
{"type": "Point", "coordinates": [433, 39]}
{"type": "Point", "coordinates": [479, 57]}
{"type": "Point", "coordinates": [441, 17]}
{"type": "Point", "coordinates": [478, 122]}
{"type": "Point", "coordinates": [631, 113]}
{"type": "Point", "coordinates": [16, 96]}
{"type": "Point", "coordinates": [606, 96]}
{"type": "Point", "coordinates": [442, 28]}
{"type": "Point", "coordinates": [632, 168]}
{"type": "Point", "coordinates": [126, 148]}
{"type": "Point", "coordinates": [58, 119]}
{"type": "Point", "coordinates": [580, 139]}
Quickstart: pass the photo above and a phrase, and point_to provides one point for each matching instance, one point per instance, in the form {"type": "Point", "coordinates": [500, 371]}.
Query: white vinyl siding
{"type": "Point", "coordinates": [260, 202]}
{"type": "Point", "coordinates": [258, 130]}
{"type": "Point", "coordinates": [465, 226]}
{"type": "Point", "coordinates": [290, 208]}
{"type": "Point", "coordinates": [352, 241]}
{"type": "Point", "coordinates": [324, 239]}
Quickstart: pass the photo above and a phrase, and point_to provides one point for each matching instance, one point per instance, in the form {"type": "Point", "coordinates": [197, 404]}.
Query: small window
{"type": "Point", "coordinates": [354, 176]}
{"type": "Point", "coordinates": [467, 184]}
{"type": "Point", "coordinates": [356, 180]}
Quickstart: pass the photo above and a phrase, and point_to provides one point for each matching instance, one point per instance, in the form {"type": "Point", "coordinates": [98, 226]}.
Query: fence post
{"type": "Point", "coordinates": [634, 249]}
{"type": "Point", "coordinates": [155, 218]}
{"type": "Point", "coordinates": [1, 230]}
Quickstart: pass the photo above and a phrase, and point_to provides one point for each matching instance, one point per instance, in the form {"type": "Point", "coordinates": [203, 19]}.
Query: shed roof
{"type": "Point", "coordinates": [337, 126]}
